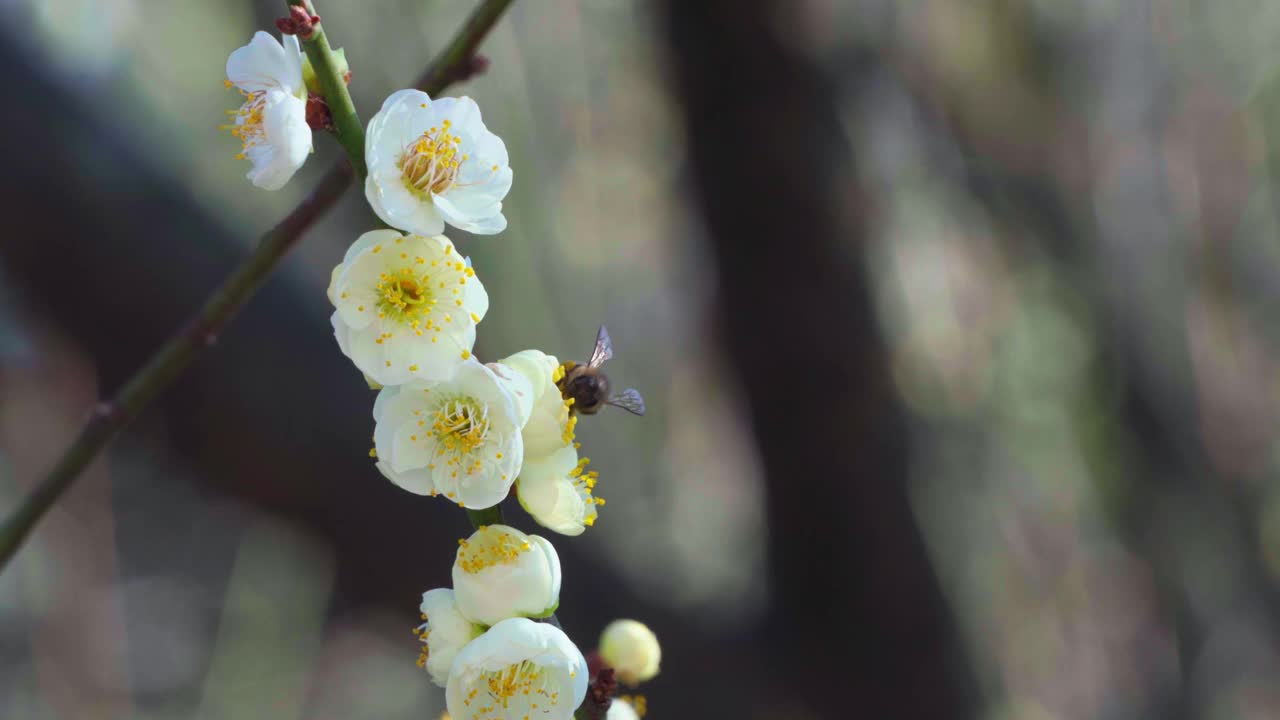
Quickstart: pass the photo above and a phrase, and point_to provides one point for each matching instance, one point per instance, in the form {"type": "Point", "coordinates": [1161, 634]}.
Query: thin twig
{"type": "Point", "coordinates": [457, 62]}
{"type": "Point", "coordinates": [109, 418]}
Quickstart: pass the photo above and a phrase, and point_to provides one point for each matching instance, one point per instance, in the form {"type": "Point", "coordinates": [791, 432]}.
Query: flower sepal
{"type": "Point", "coordinates": [546, 613]}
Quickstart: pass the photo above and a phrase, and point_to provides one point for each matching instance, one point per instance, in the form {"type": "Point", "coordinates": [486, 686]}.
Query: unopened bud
{"type": "Point", "coordinates": [601, 686]}
{"type": "Point", "coordinates": [300, 22]}
{"type": "Point", "coordinates": [319, 118]}
{"type": "Point", "coordinates": [631, 648]}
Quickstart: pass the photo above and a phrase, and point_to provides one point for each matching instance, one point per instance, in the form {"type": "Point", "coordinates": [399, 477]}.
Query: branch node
{"type": "Point", "coordinates": [318, 115]}
{"type": "Point", "coordinates": [300, 22]}
{"type": "Point", "coordinates": [475, 65]}
{"type": "Point", "coordinates": [601, 687]}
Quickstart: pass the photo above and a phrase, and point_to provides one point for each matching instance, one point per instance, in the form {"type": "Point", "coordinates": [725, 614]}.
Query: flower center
{"type": "Point", "coordinates": [248, 125]}
{"type": "Point", "coordinates": [430, 164]}
{"type": "Point", "coordinates": [490, 547]}
{"type": "Point", "coordinates": [461, 425]}
{"type": "Point", "coordinates": [518, 690]}
{"type": "Point", "coordinates": [405, 295]}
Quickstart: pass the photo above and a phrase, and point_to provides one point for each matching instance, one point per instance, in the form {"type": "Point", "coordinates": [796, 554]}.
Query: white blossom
{"type": "Point", "coordinates": [551, 425]}
{"type": "Point", "coordinates": [458, 436]}
{"type": "Point", "coordinates": [444, 633]}
{"type": "Point", "coordinates": [554, 486]}
{"type": "Point", "coordinates": [272, 123]}
{"type": "Point", "coordinates": [406, 306]}
{"type": "Point", "coordinates": [501, 573]}
{"type": "Point", "coordinates": [631, 649]}
{"type": "Point", "coordinates": [519, 668]}
{"type": "Point", "coordinates": [556, 490]}
{"type": "Point", "coordinates": [433, 162]}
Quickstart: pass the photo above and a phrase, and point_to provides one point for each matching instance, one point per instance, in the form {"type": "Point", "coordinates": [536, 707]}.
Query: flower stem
{"type": "Point", "coordinates": [487, 516]}
{"type": "Point", "coordinates": [346, 122]}
{"type": "Point", "coordinates": [164, 367]}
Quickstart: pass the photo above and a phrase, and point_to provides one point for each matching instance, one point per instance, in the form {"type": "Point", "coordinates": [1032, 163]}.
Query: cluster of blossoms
{"type": "Point", "coordinates": [407, 305]}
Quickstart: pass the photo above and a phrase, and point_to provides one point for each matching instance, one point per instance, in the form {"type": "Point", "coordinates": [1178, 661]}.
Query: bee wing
{"type": "Point", "coordinates": [628, 400]}
{"type": "Point", "coordinates": [603, 349]}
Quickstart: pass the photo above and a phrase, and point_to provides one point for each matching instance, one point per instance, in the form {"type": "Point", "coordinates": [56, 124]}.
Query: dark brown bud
{"type": "Point", "coordinates": [600, 689]}
{"type": "Point", "coordinates": [300, 22]}
{"type": "Point", "coordinates": [477, 65]}
{"type": "Point", "coordinates": [318, 115]}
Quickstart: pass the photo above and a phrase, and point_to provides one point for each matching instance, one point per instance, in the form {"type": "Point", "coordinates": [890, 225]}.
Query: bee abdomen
{"type": "Point", "coordinates": [588, 389]}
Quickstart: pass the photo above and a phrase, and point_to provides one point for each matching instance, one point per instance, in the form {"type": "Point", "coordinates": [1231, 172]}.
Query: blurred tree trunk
{"type": "Point", "coordinates": [859, 627]}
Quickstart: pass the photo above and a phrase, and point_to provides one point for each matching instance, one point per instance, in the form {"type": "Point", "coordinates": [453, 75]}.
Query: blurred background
{"type": "Point", "coordinates": [952, 319]}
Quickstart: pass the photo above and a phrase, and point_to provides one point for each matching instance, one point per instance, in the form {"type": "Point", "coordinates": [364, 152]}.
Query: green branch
{"type": "Point", "coordinates": [346, 122]}
{"type": "Point", "coordinates": [178, 353]}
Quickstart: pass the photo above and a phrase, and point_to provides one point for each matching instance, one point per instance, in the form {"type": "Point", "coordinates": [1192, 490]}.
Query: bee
{"type": "Point", "coordinates": [588, 386]}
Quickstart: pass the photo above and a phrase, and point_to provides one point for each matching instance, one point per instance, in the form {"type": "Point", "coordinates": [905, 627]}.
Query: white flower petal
{"type": "Point", "coordinates": [491, 149]}
{"type": "Point", "coordinates": [550, 425]}
{"type": "Point", "coordinates": [380, 402]}
{"type": "Point", "coordinates": [411, 448]}
{"type": "Point", "coordinates": [526, 652]}
{"type": "Point", "coordinates": [415, 481]}
{"type": "Point", "coordinates": [293, 58]}
{"type": "Point", "coordinates": [620, 709]}
{"type": "Point", "coordinates": [519, 388]}
{"type": "Point", "coordinates": [488, 221]}
{"type": "Point", "coordinates": [500, 573]}
{"type": "Point", "coordinates": [286, 142]}
{"type": "Point", "coordinates": [265, 64]}
{"type": "Point", "coordinates": [447, 632]}
{"type": "Point", "coordinates": [553, 563]}
{"type": "Point", "coordinates": [400, 208]}
{"type": "Point", "coordinates": [404, 98]}
{"type": "Point", "coordinates": [367, 241]}
{"type": "Point", "coordinates": [551, 497]}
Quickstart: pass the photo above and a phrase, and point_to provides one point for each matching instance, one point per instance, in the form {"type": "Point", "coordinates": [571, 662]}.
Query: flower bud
{"type": "Point", "coordinates": [630, 648]}
{"type": "Point", "coordinates": [502, 573]}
